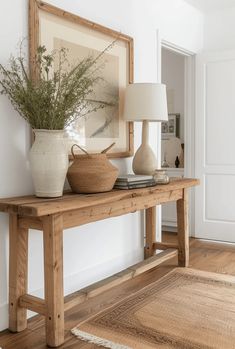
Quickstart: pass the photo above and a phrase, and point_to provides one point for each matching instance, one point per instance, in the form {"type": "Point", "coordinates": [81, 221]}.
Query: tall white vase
{"type": "Point", "coordinates": [49, 163]}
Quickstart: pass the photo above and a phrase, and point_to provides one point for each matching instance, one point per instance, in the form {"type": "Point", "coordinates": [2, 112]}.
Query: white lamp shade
{"type": "Point", "coordinates": [145, 101]}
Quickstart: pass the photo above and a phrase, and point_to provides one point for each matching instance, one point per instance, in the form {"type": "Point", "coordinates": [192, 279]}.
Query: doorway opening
{"type": "Point", "coordinates": [177, 135]}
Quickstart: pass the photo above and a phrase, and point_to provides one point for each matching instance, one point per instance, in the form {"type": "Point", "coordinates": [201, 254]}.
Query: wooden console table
{"type": "Point", "coordinates": [52, 216]}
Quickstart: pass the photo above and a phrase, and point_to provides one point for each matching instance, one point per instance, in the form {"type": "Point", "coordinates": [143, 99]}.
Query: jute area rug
{"type": "Point", "coordinates": [186, 309]}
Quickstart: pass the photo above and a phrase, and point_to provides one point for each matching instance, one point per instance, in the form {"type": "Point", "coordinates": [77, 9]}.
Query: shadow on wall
{"type": "Point", "coordinates": [15, 180]}
{"type": "Point", "coordinates": [15, 142]}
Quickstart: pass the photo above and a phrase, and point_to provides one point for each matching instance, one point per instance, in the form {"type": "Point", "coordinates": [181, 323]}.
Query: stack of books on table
{"type": "Point", "coordinates": [131, 181]}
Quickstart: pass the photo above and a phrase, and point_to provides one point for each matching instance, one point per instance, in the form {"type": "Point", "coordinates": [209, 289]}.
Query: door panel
{"type": "Point", "coordinates": [215, 146]}
{"type": "Point", "coordinates": [221, 210]}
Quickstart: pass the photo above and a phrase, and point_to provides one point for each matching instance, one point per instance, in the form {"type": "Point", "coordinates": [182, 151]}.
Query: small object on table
{"type": "Point", "coordinates": [91, 173]}
{"type": "Point", "coordinates": [161, 177]}
{"type": "Point", "coordinates": [131, 181]}
{"type": "Point", "coordinates": [177, 162]}
{"type": "Point", "coordinates": [129, 178]}
{"type": "Point", "coordinates": [164, 162]}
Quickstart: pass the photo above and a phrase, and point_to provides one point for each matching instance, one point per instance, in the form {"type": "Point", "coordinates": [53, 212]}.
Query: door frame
{"type": "Point", "coordinates": [189, 121]}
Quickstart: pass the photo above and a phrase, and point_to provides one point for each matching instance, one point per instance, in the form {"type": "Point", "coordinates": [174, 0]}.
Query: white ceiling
{"type": "Point", "coordinates": [211, 5]}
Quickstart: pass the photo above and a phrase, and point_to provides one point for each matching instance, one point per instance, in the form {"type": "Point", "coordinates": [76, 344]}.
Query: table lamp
{"type": "Point", "coordinates": [145, 102]}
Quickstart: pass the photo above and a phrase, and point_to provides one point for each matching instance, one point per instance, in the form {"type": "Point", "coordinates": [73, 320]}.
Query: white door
{"type": "Point", "coordinates": [215, 146]}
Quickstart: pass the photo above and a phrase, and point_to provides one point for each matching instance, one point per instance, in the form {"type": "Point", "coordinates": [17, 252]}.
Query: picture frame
{"type": "Point", "coordinates": [171, 128]}
{"type": "Point", "coordinates": [55, 28]}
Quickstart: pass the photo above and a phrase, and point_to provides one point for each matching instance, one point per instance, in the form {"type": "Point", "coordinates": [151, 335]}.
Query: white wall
{"type": "Point", "coordinates": [173, 76]}
{"type": "Point", "coordinates": [220, 30]}
{"type": "Point", "coordinates": [98, 249]}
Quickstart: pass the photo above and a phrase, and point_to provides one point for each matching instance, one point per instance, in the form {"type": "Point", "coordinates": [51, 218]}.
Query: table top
{"type": "Point", "coordinates": [33, 206]}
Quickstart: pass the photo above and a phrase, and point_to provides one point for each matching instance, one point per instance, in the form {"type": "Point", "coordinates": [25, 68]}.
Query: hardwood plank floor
{"type": "Point", "coordinates": [204, 255]}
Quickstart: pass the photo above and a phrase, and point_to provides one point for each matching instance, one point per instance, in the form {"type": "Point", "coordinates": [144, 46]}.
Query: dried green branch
{"type": "Point", "coordinates": [60, 95]}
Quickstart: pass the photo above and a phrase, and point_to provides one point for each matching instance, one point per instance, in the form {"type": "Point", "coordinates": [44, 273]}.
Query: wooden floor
{"type": "Point", "coordinates": [215, 257]}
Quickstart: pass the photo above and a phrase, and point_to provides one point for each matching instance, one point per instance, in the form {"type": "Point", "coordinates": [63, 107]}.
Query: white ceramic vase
{"type": "Point", "coordinates": [49, 163]}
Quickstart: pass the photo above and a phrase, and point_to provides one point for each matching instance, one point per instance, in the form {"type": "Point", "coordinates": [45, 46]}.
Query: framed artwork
{"type": "Point", "coordinates": [55, 28]}
{"type": "Point", "coordinates": [171, 128]}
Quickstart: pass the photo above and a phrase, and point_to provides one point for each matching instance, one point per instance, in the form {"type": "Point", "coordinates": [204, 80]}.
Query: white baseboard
{"type": "Point", "coordinates": [83, 278]}
{"type": "Point", "coordinates": [169, 228]}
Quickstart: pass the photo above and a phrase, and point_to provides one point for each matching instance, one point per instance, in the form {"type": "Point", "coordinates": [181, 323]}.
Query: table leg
{"type": "Point", "coordinates": [18, 273]}
{"type": "Point", "coordinates": [53, 278]}
{"type": "Point", "coordinates": [150, 230]}
{"type": "Point", "coordinates": [183, 230]}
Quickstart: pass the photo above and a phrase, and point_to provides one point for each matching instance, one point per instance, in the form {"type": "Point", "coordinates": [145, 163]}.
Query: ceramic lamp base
{"type": "Point", "coordinates": [144, 161]}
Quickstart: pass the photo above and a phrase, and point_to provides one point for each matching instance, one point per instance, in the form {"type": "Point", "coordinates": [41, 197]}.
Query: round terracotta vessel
{"type": "Point", "coordinates": [91, 173]}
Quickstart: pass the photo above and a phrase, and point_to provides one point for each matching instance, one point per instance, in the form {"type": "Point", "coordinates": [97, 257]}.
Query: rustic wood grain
{"type": "Point", "coordinates": [30, 222]}
{"type": "Point", "coordinates": [82, 21]}
{"type": "Point", "coordinates": [33, 37]}
{"type": "Point", "coordinates": [150, 231]}
{"type": "Point", "coordinates": [164, 245]}
{"type": "Point", "coordinates": [183, 230]}
{"type": "Point", "coordinates": [153, 261]}
{"type": "Point", "coordinates": [95, 213]}
{"type": "Point", "coordinates": [42, 207]}
{"type": "Point", "coordinates": [53, 278]}
{"type": "Point", "coordinates": [33, 303]}
{"type": "Point", "coordinates": [18, 273]}
{"type": "Point", "coordinates": [117, 279]}
{"type": "Point", "coordinates": [38, 305]}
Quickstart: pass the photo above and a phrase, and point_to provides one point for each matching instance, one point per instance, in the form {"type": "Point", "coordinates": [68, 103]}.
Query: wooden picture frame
{"type": "Point", "coordinates": [38, 9]}
{"type": "Point", "coordinates": [171, 128]}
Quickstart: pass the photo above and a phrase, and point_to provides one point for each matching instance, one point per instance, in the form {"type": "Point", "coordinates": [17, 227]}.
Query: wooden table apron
{"type": "Point", "coordinates": [52, 216]}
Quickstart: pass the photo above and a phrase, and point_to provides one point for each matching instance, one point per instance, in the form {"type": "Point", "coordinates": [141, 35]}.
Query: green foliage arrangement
{"type": "Point", "coordinates": [59, 96]}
